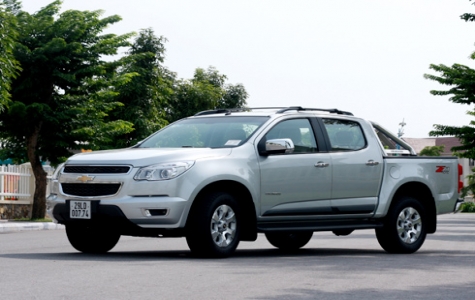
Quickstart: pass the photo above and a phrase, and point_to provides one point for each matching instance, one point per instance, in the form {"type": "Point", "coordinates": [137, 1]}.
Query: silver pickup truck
{"type": "Point", "coordinates": [223, 176]}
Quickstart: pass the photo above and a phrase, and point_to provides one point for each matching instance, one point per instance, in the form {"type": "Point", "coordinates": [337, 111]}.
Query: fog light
{"type": "Point", "coordinates": [155, 212]}
{"type": "Point", "coordinates": [158, 212]}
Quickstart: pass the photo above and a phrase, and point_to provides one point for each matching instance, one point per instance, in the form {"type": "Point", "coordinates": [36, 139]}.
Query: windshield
{"type": "Point", "coordinates": [215, 132]}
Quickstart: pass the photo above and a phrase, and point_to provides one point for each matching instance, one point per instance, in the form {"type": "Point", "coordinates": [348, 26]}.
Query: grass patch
{"type": "Point", "coordinates": [33, 220]}
{"type": "Point", "coordinates": [467, 207]}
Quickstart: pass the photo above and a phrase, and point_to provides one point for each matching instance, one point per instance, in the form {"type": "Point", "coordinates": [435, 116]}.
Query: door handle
{"type": "Point", "coordinates": [372, 163]}
{"type": "Point", "coordinates": [321, 164]}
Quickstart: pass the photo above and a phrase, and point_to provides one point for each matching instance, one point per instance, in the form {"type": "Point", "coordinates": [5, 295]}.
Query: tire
{"type": "Point", "coordinates": [289, 241]}
{"type": "Point", "coordinates": [404, 230]}
{"type": "Point", "coordinates": [90, 239]}
{"type": "Point", "coordinates": [214, 227]}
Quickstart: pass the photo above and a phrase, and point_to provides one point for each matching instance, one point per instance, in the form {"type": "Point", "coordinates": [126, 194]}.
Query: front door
{"type": "Point", "coordinates": [297, 183]}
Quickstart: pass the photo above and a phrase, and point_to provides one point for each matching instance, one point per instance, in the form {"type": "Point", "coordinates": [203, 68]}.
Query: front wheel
{"type": "Point", "coordinates": [91, 240]}
{"type": "Point", "coordinates": [213, 229]}
{"type": "Point", "coordinates": [404, 230]}
{"type": "Point", "coordinates": [289, 241]}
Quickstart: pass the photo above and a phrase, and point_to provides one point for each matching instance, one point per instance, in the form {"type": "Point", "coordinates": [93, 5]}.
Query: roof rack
{"type": "Point", "coordinates": [281, 110]}
{"type": "Point", "coordinates": [299, 108]}
{"type": "Point", "coordinates": [227, 111]}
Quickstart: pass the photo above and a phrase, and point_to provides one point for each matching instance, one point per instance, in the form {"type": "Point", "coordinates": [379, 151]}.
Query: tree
{"type": "Point", "coordinates": [432, 150]}
{"type": "Point", "coordinates": [145, 95]}
{"type": "Point", "coordinates": [8, 65]}
{"type": "Point", "coordinates": [461, 80]}
{"type": "Point", "coordinates": [207, 90]}
{"type": "Point", "coordinates": [61, 98]}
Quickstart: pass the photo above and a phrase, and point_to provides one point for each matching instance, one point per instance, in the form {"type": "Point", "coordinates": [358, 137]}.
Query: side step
{"type": "Point", "coordinates": [318, 225]}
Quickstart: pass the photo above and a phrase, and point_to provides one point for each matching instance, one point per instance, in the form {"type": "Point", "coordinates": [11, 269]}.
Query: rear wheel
{"type": "Point", "coordinates": [214, 226]}
{"type": "Point", "coordinates": [90, 239]}
{"type": "Point", "coordinates": [289, 241]}
{"type": "Point", "coordinates": [404, 230]}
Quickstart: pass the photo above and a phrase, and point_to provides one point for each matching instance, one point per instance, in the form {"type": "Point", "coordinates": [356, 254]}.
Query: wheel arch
{"type": "Point", "coordinates": [421, 193]}
{"type": "Point", "coordinates": [244, 198]}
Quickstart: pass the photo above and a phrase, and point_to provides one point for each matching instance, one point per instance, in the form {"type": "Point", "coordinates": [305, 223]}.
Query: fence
{"type": "Point", "coordinates": [15, 183]}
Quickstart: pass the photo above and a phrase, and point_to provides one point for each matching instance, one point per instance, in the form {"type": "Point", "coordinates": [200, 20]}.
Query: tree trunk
{"type": "Point", "coordinates": [39, 199]}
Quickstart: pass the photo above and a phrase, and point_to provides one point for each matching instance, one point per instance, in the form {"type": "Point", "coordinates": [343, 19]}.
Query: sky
{"type": "Point", "coordinates": [363, 56]}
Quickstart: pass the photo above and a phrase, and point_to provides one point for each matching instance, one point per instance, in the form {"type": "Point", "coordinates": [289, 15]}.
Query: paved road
{"type": "Point", "coordinates": [42, 265]}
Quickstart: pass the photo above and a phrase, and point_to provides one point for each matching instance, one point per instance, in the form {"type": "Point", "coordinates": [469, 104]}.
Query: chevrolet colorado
{"type": "Point", "coordinates": [223, 176]}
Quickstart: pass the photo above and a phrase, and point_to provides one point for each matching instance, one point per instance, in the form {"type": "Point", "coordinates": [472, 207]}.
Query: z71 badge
{"type": "Point", "coordinates": [442, 169]}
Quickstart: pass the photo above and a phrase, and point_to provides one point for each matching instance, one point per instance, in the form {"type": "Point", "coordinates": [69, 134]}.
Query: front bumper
{"type": "Point", "coordinates": [144, 212]}
{"type": "Point", "coordinates": [101, 215]}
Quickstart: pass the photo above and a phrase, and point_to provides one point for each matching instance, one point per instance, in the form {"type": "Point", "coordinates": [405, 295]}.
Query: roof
{"type": "Point", "coordinates": [449, 143]}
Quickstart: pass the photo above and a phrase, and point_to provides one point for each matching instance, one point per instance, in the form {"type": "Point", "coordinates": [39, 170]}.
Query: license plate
{"type": "Point", "coordinates": [80, 209]}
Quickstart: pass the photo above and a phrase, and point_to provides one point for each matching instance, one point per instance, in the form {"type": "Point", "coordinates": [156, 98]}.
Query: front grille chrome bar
{"type": "Point", "coordinates": [96, 169]}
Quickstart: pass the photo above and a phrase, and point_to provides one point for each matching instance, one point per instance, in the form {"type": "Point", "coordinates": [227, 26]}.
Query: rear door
{"type": "Point", "coordinates": [357, 168]}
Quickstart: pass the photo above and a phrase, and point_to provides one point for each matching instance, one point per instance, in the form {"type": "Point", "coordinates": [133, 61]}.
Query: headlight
{"type": "Point", "coordinates": [163, 171]}
{"type": "Point", "coordinates": [53, 181]}
{"type": "Point", "coordinates": [57, 171]}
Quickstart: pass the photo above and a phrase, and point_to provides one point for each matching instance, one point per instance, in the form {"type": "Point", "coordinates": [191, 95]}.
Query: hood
{"type": "Point", "coordinates": [139, 157]}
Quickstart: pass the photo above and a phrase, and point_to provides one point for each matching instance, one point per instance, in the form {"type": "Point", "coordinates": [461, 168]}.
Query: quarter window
{"type": "Point", "coordinates": [344, 135]}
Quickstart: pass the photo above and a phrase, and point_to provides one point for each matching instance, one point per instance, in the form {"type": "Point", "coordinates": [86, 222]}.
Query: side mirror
{"type": "Point", "coordinates": [276, 146]}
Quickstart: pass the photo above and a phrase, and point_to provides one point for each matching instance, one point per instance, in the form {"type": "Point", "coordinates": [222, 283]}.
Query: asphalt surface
{"type": "Point", "coordinates": [43, 265]}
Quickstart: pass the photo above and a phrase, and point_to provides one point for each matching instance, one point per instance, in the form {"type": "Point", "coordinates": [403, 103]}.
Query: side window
{"type": "Point", "coordinates": [344, 135]}
{"type": "Point", "coordinates": [299, 131]}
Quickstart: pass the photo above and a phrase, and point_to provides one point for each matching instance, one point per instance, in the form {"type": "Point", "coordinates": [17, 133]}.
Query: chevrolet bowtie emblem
{"type": "Point", "coordinates": [85, 178]}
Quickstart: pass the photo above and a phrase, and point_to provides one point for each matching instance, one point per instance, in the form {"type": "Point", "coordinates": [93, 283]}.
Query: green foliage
{"type": "Point", "coordinates": [207, 90]}
{"type": "Point", "coordinates": [432, 150]}
{"type": "Point", "coordinates": [9, 66]}
{"type": "Point", "coordinates": [146, 94]}
{"type": "Point", "coordinates": [467, 207]}
{"type": "Point", "coordinates": [461, 82]}
{"type": "Point", "coordinates": [62, 97]}
{"type": "Point", "coordinates": [468, 17]}
{"type": "Point", "coordinates": [466, 190]}
{"type": "Point", "coordinates": [66, 89]}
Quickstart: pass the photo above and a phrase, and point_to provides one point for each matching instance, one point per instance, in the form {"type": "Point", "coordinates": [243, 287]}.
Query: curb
{"type": "Point", "coordinates": [28, 226]}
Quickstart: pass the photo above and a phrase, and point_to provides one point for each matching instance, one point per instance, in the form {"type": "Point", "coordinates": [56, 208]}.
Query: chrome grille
{"type": "Point", "coordinates": [90, 189]}
{"type": "Point", "coordinates": [96, 169]}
